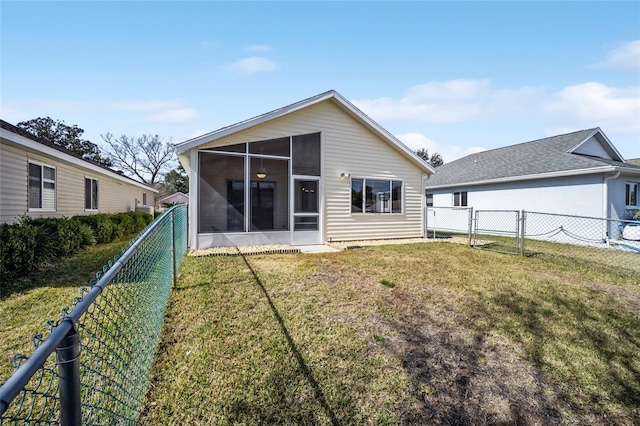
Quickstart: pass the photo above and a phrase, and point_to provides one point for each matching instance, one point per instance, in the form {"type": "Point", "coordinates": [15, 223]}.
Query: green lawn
{"type": "Point", "coordinates": [26, 304]}
{"type": "Point", "coordinates": [433, 333]}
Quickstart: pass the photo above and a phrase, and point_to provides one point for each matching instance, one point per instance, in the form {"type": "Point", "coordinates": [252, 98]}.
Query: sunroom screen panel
{"type": "Point", "coordinates": [221, 206]}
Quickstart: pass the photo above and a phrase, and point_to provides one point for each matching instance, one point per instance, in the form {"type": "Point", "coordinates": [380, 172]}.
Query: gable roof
{"type": "Point", "coordinates": [330, 95]}
{"type": "Point", "coordinates": [175, 194]}
{"type": "Point", "coordinates": [26, 140]}
{"type": "Point", "coordinates": [561, 155]}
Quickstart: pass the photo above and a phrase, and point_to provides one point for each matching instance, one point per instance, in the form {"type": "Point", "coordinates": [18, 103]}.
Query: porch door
{"type": "Point", "coordinates": [263, 195]}
{"type": "Point", "coordinates": [306, 212]}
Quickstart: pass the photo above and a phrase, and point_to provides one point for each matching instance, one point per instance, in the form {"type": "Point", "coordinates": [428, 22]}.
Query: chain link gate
{"type": "Point", "coordinates": [444, 222]}
{"type": "Point", "coordinates": [497, 230]}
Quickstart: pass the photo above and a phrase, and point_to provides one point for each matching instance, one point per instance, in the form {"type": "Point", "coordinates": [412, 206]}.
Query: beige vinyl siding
{"type": "Point", "coordinates": [348, 147]}
{"type": "Point", "coordinates": [114, 196]}
{"type": "Point", "coordinates": [13, 183]}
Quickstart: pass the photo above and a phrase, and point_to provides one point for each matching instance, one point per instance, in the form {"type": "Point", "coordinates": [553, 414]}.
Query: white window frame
{"type": "Point", "coordinates": [460, 204]}
{"type": "Point", "coordinates": [627, 186]}
{"type": "Point", "coordinates": [144, 198]}
{"type": "Point", "coordinates": [43, 180]}
{"type": "Point", "coordinates": [97, 206]}
{"type": "Point", "coordinates": [429, 199]}
{"type": "Point", "coordinates": [364, 196]}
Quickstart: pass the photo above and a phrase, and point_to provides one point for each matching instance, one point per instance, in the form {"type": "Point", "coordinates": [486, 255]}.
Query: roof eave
{"type": "Point", "coordinates": [330, 95]}
{"type": "Point", "coordinates": [255, 121]}
{"type": "Point", "coordinates": [564, 173]}
{"type": "Point", "coordinates": [610, 145]}
{"type": "Point", "coordinates": [38, 147]}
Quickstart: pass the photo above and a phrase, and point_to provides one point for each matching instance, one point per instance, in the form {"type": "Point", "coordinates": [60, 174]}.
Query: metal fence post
{"type": "Point", "coordinates": [470, 223]}
{"type": "Point", "coordinates": [173, 246]}
{"type": "Point", "coordinates": [68, 360]}
{"type": "Point", "coordinates": [522, 232]}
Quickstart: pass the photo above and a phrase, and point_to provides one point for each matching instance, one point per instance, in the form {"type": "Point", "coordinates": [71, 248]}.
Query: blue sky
{"type": "Point", "coordinates": [453, 77]}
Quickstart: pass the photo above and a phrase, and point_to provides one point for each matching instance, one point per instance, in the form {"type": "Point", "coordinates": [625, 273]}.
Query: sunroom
{"type": "Point", "coordinates": [315, 171]}
{"type": "Point", "coordinates": [260, 192]}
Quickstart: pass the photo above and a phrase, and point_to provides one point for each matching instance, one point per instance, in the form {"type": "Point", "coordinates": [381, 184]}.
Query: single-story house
{"type": "Point", "coordinates": [314, 171]}
{"type": "Point", "coordinates": [579, 173]}
{"type": "Point", "coordinates": [175, 198]}
{"type": "Point", "coordinates": [41, 179]}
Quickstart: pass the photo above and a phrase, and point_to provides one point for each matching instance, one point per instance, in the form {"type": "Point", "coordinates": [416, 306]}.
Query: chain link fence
{"type": "Point", "coordinates": [94, 366]}
{"type": "Point", "coordinates": [610, 242]}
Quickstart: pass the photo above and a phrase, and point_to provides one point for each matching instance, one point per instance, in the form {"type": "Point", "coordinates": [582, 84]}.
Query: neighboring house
{"type": "Point", "coordinates": [314, 171]}
{"type": "Point", "coordinates": [177, 198]}
{"type": "Point", "coordinates": [40, 179]}
{"type": "Point", "coordinates": [579, 173]}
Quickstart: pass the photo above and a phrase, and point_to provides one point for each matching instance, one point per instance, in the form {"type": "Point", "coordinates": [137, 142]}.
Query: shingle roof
{"type": "Point", "coordinates": [548, 155]}
{"type": "Point", "coordinates": [19, 131]}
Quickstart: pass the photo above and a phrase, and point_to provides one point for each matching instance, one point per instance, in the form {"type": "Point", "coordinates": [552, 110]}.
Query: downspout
{"type": "Point", "coordinates": [424, 205]}
{"type": "Point", "coordinates": [605, 204]}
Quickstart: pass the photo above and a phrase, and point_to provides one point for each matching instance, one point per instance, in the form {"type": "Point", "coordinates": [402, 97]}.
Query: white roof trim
{"type": "Point", "coordinates": [333, 95]}
{"type": "Point", "coordinates": [172, 195]}
{"type": "Point", "coordinates": [609, 147]}
{"type": "Point", "coordinates": [564, 173]}
{"type": "Point", "coordinates": [52, 152]}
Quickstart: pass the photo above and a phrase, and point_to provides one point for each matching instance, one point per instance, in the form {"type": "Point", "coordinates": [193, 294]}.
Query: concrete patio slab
{"type": "Point", "coordinates": [317, 248]}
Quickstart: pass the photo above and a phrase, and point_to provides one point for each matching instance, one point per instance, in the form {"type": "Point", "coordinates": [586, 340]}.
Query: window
{"type": "Point", "coordinates": [376, 196]}
{"type": "Point", "coordinates": [90, 194]}
{"type": "Point", "coordinates": [460, 199]}
{"type": "Point", "coordinates": [42, 187]}
{"type": "Point", "coordinates": [631, 194]}
{"type": "Point", "coordinates": [144, 198]}
{"type": "Point", "coordinates": [429, 200]}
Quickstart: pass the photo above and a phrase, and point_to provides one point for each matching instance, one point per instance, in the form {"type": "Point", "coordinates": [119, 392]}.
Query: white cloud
{"type": "Point", "coordinates": [252, 65]}
{"type": "Point", "coordinates": [259, 48]}
{"type": "Point", "coordinates": [179, 115]}
{"type": "Point", "coordinates": [416, 141]}
{"type": "Point", "coordinates": [625, 57]}
{"type": "Point", "coordinates": [155, 111]}
{"type": "Point", "coordinates": [450, 101]}
{"type": "Point", "coordinates": [594, 104]}
{"type": "Point", "coordinates": [144, 106]}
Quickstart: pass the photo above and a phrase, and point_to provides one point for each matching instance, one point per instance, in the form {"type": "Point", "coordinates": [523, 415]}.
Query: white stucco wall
{"type": "Point", "coordinates": [580, 196]}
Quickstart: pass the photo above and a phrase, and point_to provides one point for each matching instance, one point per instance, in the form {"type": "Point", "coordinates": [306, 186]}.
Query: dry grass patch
{"type": "Point", "coordinates": [464, 337]}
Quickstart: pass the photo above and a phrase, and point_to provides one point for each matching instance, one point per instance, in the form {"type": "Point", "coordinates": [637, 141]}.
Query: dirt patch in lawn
{"type": "Point", "coordinates": [477, 378]}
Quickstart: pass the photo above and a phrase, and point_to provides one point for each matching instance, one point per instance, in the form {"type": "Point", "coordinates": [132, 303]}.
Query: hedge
{"type": "Point", "coordinates": [33, 242]}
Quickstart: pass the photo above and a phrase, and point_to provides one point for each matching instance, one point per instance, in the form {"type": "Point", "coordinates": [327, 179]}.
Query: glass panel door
{"type": "Point", "coordinates": [306, 213]}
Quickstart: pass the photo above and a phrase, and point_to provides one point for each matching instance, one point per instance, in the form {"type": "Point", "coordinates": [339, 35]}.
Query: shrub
{"type": "Point", "coordinates": [125, 223]}
{"type": "Point", "coordinates": [31, 242]}
{"type": "Point", "coordinates": [18, 249]}
{"type": "Point", "coordinates": [140, 220]}
{"type": "Point", "coordinates": [101, 226]}
{"type": "Point", "coordinates": [61, 237]}
{"type": "Point", "coordinates": [86, 234]}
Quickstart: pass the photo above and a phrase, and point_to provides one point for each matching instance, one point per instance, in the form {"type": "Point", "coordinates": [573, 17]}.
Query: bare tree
{"type": "Point", "coordinates": [146, 158]}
